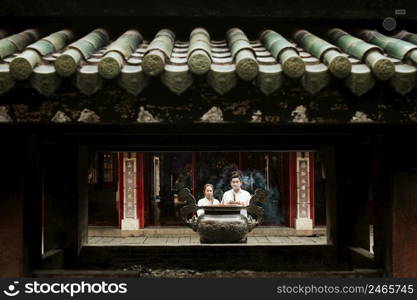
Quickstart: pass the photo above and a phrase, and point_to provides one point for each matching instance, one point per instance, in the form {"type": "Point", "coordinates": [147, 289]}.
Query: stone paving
{"type": "Point", "coordinates": [193, 240]}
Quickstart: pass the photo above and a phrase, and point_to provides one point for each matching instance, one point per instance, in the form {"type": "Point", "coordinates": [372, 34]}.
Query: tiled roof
{"type": "Point", "coordinates": [359, 61]}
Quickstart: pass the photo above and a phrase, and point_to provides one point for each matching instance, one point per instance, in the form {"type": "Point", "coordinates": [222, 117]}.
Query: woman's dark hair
{"type": "Point", "coordinates": [206, 186]}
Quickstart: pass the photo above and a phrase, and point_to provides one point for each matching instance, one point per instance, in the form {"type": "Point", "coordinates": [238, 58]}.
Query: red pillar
{"type": "Point", "coordinates": [140, 189]}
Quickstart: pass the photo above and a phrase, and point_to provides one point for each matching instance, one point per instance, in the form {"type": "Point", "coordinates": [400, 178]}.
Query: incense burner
{"type": "Point", "coordinates": [222, 223]}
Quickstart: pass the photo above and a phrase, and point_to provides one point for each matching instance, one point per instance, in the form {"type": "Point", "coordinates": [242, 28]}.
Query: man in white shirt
{"type": "Point", "coordinates": [236, 195]}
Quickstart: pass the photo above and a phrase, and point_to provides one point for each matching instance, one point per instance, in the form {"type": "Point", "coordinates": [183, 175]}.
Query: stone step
{"type": "Point", "coordinates": [213, 256]}
{"type": "Point", "coordinates": [103, 231]}
{"type": "Point", "coordinates": [181, 273]}
{"type": "Point", "coordinates": [176, 240]}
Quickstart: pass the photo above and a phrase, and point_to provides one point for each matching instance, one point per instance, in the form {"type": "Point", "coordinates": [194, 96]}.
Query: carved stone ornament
{"type": "Point", "coordinates": [60, 117]}
{"type": "Point", "coordinates": [88, 116]}
{"type": "Point", "coordinates": [4, 114]}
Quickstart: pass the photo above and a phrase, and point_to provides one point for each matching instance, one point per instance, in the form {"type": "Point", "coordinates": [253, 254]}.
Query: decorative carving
{"type": "Point", "coordinates": [88, 116]}
{"type": "Point", "coordinates": [188, 210]}
{"type": "Point", "coordinates": [360, 117]}
{"type": "Point", "coordinates": [256, 117]}
{"type": "Point", "coordinates": [144, 116]}
{"type": "Point", "coordinates": [130, 189]}
{"type": "Point", "coordinates": [413, 116]}
{"type": "Point", "coordinates": [255, 212]}
{"type": "Point", "coordinates": [4, 114]}
{"type": "Point", "coordinates": [215, 114]}
{"type": "Point", "coordinates": [299, 114]}
{"type": "Point", "coordinates": [60, 117]}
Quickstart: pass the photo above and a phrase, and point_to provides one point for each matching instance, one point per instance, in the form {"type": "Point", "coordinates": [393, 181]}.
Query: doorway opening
{"type": "Point", "coordinates": [136, 193]}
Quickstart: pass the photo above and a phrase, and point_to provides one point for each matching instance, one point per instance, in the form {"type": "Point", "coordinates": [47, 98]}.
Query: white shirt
{"type": "Point", "coordinates": [241, 196]}
{"type": "Point", "coordinates": [205, 202]}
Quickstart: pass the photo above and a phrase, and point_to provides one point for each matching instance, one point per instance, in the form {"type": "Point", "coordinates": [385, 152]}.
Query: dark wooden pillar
{"type": "Point", "coordinates": [167, 203]}
{"type": "Point", "coordinates": [347, 178]}
{"type": "Point", "coordinates": [404, 224]}
{"type": "Point", "coordinates": [327, 156]}
{"type": "Point", "coordinates": [63, 178]}
{"type": "Point", "coordinates": [353, 167]}
{"type": "Point", "coordinates": [83, 169]}
{"type": "Point", "coordinates": [13, 258]}
{"type": "Point", "coordinates": [33, 199]}
{"type": "Point", "coordinates": [382, 207]}
{"type": "Point", "coordinates": [402, 163]}
{"type": "Point", "coordinates": [20, 198]}
{"type": "Point", "coordinates": [355, 174]}
{"type": "Point", "coordinates": [395, 229]}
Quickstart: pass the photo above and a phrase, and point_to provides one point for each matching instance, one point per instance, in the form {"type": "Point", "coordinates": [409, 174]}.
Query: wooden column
{"type": "Point", "coordinates": [382, 207]}
{"type": "Point", "coordinates": [404, 224]}
{"type": "Point", "coordinates": [83, 167]}
{"type": "Point", "coordinates": [140, 188]}
{"type": "Point", "coordinates": [350, 194]}
{"type": "Point", "coordinates": [33, 201]}
{"type": "Point", "coordinates": [329, 161]}
{"type": "Point", "coordinates": [13, 260]}
{"type": "Point", "coordinates": [395, 207]}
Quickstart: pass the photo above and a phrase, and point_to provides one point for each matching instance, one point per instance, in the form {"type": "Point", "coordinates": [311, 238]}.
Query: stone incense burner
{"type": "Point", "coordinates": [222, 223]}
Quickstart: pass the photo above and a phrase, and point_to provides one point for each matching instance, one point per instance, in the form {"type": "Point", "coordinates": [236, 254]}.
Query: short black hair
{"type": "Point", "coordinates": [235, 175]}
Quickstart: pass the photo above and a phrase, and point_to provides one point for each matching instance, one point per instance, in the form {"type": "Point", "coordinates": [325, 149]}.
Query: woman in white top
{"type": "Point", "coordinates": [208, 199]}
